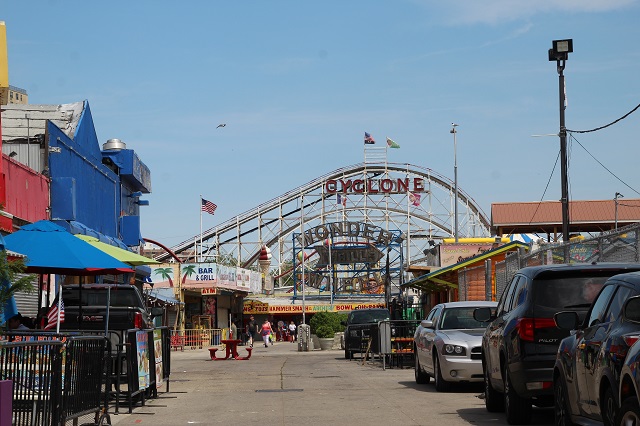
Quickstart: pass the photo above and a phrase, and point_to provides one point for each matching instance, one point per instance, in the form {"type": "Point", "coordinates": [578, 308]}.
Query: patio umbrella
{"type": "Point", "coordinates": [125, 256]}
{"type": "Point", "coordinates": [50, 249]}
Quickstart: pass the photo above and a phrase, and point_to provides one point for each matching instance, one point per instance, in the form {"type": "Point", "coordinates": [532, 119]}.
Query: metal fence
{"type": "Point", "coordinates": [55, 378]}
{"type": "Point", "coordinates": [622, 245]}
{"type": "Point", "coordinates": [63, 377]}
{"type": "Point", "coordinates": [196, 338]}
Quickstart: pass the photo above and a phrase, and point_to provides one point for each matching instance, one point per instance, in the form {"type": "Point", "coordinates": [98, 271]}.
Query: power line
{"type": "Point", "coordinates": [606, 125]}
{"type": "Point", "coordinates": [603, 166]}
{"type": "Point", "coordinates": [545, 189]}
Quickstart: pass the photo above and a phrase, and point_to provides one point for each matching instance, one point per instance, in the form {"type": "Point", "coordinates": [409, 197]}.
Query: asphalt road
{"type": "Point", "coordinates": [281, 386]}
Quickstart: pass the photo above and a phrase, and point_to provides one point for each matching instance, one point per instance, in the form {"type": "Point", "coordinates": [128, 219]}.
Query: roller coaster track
{"type": "Point", "coordinates": [272, 223]}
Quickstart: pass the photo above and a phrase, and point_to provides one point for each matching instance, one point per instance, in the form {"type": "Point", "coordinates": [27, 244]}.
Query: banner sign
{"type": "Point", "coordinates": [347, 255]}
{"type": "Point", "coordinates": [142, 350]}
{"type": "Point", "coordinates": [255, 307]}
{"type": "Point", "coordinates": [157, 351]}
{"type": "Point", "coordinates": [450, 254]}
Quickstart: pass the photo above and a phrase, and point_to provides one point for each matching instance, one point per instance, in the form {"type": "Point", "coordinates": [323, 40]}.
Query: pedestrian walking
{"type": "Point", "coordinates": [292, 331]}
{"type": "Point", "coordinates": [250, 329]}
{"type": "Point", "coordinates": [266, 332]}
{"type": "Point", "coordinates": [234, 330]}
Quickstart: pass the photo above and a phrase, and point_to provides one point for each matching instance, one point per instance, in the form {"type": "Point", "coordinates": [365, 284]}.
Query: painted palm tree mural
{"type": "Point", "coordinates": [165, 274]}
{"type": "Point", "coordinates": [188, 270]}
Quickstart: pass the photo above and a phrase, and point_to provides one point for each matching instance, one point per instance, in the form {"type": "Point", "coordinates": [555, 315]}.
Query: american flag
{"type": "Point", "coordinates": [341, 199]}
{"type": "Point", "coordinates": [368, 139]}
{"type": "Point", "coordinates": [52, 316]}
{"type": "Point", "coordinates": [208, 206]}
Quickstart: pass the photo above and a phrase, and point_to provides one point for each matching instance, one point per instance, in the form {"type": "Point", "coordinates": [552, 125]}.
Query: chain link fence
{"type": "Point", "coordinates": [622, 246]}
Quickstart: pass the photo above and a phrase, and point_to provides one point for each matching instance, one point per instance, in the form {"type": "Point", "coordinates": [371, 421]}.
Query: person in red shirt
{"type": "Point", "coordinates": [266, 332]}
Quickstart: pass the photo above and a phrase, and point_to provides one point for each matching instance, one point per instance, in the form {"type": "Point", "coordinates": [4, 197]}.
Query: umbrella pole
{"type": "Point", "coordinates": [106, 322]}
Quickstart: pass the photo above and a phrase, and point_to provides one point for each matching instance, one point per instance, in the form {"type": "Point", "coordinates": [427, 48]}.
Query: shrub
{"type": "Point", "coordinates": [326, 324]}
{"type": "Point", "coordinates": [324, 331]}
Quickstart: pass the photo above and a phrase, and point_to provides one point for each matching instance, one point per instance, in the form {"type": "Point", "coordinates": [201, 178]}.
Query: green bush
{"type": "Point", "coordinates": [326, 324]}
{"type": "Point", "coordinates": [324, 331]}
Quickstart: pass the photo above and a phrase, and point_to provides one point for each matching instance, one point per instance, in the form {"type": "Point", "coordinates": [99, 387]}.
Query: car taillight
{"type": "Point", "coordinates": [527, 326]}
{"type": "Point", "coordinates": [630, 339]}
{"type": "Point", "coordinates": [138, 321]}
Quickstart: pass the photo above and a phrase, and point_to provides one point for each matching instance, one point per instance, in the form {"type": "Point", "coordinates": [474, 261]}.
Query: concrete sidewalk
{"type": "Point", "coordinates": [281, 386]}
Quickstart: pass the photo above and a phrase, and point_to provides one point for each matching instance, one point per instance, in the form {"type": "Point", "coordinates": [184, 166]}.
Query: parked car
{"type": "Point", "coordinates": [357, 332]}
{"type": "Point", "coordinates": [520, 344]}
{"type": "Point", "coordinates": [447, 345]}
{"type": "Point", "coordinates": [629, 392]}
{"type": "Point", "coordinates": [589, 361]}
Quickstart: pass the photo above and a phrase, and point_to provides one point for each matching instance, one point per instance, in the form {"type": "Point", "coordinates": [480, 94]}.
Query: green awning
{"type": "Point", "coordinates": [448, 276]}
{"type": "Point", "coordinates": [124, 256]}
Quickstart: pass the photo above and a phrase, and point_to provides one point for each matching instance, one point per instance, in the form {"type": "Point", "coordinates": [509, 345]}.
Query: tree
{"type": "Point", "coordinates": [12, 272]}
{"type": "Point", "coordinates": [165, 274]}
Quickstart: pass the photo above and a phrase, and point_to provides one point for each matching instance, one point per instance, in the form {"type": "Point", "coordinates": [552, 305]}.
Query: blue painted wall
{"type": "Point", "coordinates": [87, 191]}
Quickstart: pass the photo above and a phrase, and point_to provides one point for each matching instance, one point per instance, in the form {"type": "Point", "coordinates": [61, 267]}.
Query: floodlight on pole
{"type": "Point", "coordinates": [560, 53]}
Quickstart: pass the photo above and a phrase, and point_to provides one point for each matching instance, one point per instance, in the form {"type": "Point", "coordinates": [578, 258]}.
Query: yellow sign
{"type": "Point", "coordinates": [208, 290]}
{"type": "Point", "coordinates": [256, 307]}
{"type": "Point", "coordinates": [4, 57]}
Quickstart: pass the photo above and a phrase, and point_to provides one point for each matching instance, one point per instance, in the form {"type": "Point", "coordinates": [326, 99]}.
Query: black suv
{"type": "Point", "coordinates": [586, 377]}
{"type": "Point", "coordinates": [359, 326]}
{"type": "Point", "coordinates": [519, 346]}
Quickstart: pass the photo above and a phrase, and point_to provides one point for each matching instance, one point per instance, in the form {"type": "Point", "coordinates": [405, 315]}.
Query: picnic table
{"type": "Point", "coordinates": [231, 346]}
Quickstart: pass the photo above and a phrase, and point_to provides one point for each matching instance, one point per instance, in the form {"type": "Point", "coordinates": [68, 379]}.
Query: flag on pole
{"type": "Point", "coordinates": [414, 199]}
{"type": "Point", "coordinates": [392, 144]}
{"type": "Point", "coordinates": [368, 139]}
{"type": "Point", "coordinates": [208, 206]}
{"type": "Point", "coordinates": [52, 315]}
{"type": "Point", "coordinates": [341, 199]}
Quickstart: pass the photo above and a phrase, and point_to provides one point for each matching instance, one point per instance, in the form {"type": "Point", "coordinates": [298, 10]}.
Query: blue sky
{"type": "Point", "coordinates": [298, 84]}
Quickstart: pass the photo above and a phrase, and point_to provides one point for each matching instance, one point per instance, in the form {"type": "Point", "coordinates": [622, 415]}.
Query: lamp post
{"type": "Point", "coordinates": [615, 199]}
{"type": "Point", "coordinates": [560, 53]}
{"type": "Point", "coordinates": [455, 182]}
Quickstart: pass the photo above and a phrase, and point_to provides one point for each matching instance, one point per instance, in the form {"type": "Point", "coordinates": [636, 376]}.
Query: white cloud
{"type": "Point", "coordinates": [499, 11]}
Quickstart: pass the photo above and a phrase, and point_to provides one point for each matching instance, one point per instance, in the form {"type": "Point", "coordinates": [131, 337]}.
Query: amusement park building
{"type": "Point", "coordinates": [53, 168]}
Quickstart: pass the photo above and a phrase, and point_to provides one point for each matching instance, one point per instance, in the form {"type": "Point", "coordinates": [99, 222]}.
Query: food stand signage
{"type": "Point", "coordinates": [254, 307]}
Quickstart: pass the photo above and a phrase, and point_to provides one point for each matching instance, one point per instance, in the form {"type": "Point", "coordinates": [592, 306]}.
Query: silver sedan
{"type": "Point", "coordinates": [448, 345]}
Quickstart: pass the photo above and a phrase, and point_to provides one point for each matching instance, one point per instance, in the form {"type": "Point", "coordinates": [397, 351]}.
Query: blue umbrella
{"type": "Point", "coordinates": [50, 249]}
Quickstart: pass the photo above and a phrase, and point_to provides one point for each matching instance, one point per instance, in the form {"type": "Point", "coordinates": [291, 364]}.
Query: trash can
{"type": "Point", "coordinates": [304, 337]}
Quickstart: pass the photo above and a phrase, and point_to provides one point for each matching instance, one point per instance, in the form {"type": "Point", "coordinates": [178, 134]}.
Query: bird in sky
{"type": "Point", "coordinates": [221, 125]}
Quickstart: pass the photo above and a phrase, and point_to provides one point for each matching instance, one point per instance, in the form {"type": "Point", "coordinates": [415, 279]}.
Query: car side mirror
{"type": "Point", "coordinates": [343, 323]}
{"type": "Point", "coordinates": [426, 324]}
{"type": "Point", "coordinates": [568, 320]}
{"type": "Point", "coordinates": [631, 309]}
{"type": "Point", "coordinates": [482, 314]}
{"type": "Point", "coordinates": [157, 311]}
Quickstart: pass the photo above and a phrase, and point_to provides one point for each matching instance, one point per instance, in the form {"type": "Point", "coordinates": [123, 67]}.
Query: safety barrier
{"type": "Point", "coordinates": [56, 378]}
{"type": "Point", "coordinates": [196, 338]}
{"type": "Point", "coordinates": [129, 366]}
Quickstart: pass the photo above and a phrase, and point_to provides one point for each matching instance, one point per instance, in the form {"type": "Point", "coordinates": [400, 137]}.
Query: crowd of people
{"type": "Point", "coordinates": [270, 332]}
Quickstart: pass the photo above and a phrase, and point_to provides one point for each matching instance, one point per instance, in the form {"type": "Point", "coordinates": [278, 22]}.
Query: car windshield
{"type": "Point", "coordinates": [366, 317]}
{"type": "Point", "coordinates": [460, 318]}
{"type": "Point", "coordinates": [567, 293]}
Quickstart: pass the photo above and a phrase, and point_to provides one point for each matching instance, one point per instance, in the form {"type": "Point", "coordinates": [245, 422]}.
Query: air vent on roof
{"type": "Point", "coordinates": [115, 144]}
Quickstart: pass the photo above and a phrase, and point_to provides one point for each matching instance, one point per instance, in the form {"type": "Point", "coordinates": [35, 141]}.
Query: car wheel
{"type": "Point", "coordinates": [629, 413]}
{"type": "Point", "coordinates": [561, 412]}
{"type": "Point", "coordinates": [421, 377]}
{"type": "Point", "coordinates": [518, 409]}
{"type": "Point", "coordinates": [441, 384]}
{"type": "Point", "coordinates": [608, 408]}
{"type": "Point", "coordinates": [493, 400]}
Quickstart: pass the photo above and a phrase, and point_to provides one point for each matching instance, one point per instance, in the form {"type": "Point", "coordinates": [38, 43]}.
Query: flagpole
{"type": "Point", "coordinates": [59, 306]}
{"type": "Point", "coordinates": [303, 245]}
{"type": "Point", "coordinates": [200, 228]}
